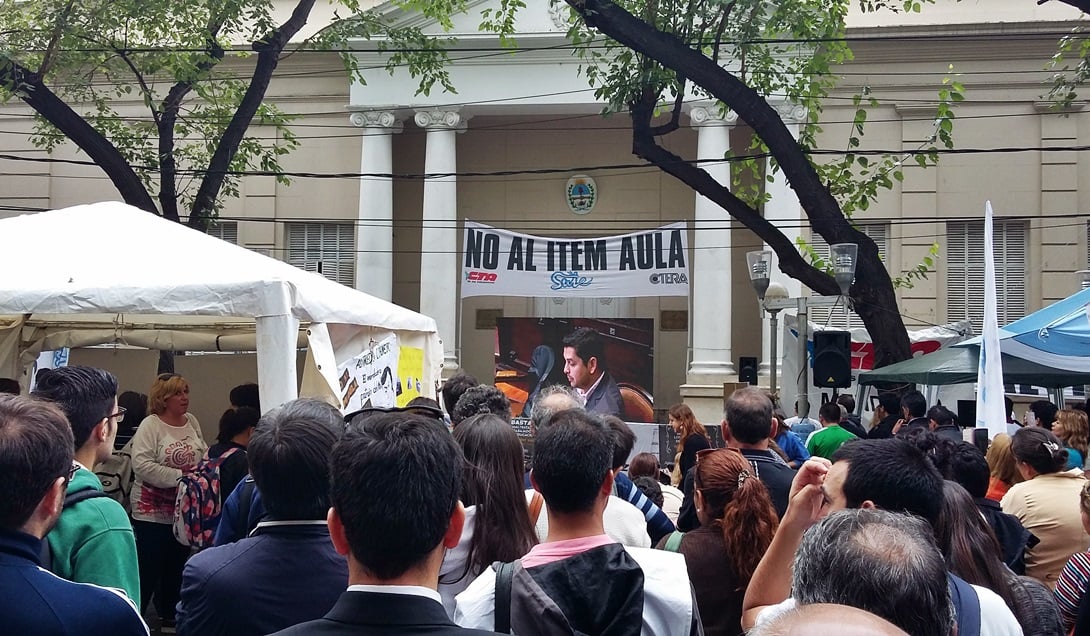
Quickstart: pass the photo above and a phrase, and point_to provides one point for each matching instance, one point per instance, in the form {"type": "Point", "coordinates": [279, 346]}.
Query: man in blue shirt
{"type": "Point", "coordinates": [36, 450]}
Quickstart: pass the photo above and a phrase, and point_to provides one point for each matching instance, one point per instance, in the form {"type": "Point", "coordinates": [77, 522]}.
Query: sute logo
{"type": "Point", "coordinates": [669, 278]}
{"type": "Point", "coordinates": [473, 276]}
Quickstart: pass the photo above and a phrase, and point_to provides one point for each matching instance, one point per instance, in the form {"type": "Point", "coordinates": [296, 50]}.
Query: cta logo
{"type": "Point", "coordinates": [669, 278]}
{"type": "Point", "coordinates": [474, 276]}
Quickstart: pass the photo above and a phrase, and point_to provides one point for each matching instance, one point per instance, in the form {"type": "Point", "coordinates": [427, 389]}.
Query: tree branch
{"type": "Point", "coordinates": [718, 42]}
{"type": "Point", "coordinates": [172, 103]}
{"type": "Point", "coordinates": [149, 96]}
{"type": "Point", "coordinates": [33, 91]}
{"type": "Point", "coordinates": [268, 52]}
{"type": "Point", "coordinates": [791, 261]}
{"type": "Point", "coordinates": [54, 39]}
{"type": "Point", "coordinates": [675, 114]}
{"type": "Point", "coordinates": [820, 206]}
{"type": "Point", "coordinates": [1081, 5]}
{"type": "Point", "coordinates": [873, 288]}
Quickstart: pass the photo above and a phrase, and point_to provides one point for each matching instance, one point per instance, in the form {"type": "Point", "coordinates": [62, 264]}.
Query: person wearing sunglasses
{"type": "Point", "coordinates": [36, 453]}
{"type": "Point", "coordinates": [93, 540]}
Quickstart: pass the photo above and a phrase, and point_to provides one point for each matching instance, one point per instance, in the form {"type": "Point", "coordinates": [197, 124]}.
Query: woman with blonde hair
{"type": "Point", "coordinates": [1003, 467]}
{"type": "Point", "coordinates": [1072, 428]}
{"type": "Point", "coordinates": [737, 522]}
{"type": "Point", "coordinates": [167, 444]}
{"type": "Point", "coordinates": [692, 438]}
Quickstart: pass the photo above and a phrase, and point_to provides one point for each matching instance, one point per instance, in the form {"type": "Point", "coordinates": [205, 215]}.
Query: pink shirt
{"type": "Point", "coordinates": [543, 553]}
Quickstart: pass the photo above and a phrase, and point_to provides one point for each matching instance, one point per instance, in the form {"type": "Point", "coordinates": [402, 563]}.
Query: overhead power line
{"type": "Point", "coordinates": [559, 170]}
{"type": "Point", "coordinates": [599, 43]}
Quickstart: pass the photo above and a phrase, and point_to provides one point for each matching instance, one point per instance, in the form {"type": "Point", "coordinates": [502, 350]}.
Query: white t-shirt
{"type": "Point", "coordinates": [996, 619]}
{"type": "Point", "coordinates": [624, 523]}
{"type": "Point", "coordinates": [671, 502]}
{"type": "Point", "coordinates": [451, 579]}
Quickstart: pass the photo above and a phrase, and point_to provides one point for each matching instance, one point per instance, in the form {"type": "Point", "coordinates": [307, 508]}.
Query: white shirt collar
{"type": "Point", "coordinates": [408, 590]}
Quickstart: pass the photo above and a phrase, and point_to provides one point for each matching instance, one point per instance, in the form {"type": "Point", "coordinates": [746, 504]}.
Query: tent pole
{"type": "Point", "coordinates": [1058, 396]}
{"type": "Point", "coordinates": [277, 337]}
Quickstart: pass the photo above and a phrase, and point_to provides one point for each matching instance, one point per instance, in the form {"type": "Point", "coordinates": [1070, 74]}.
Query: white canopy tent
{"type": "Point", "coordinates": [110, 273]}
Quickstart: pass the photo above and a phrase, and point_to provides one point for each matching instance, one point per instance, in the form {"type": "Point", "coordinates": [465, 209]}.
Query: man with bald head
{"type": "Point", "coordinates": [886, 474]}
{"type": "Point", "coordinates": [827, 618]}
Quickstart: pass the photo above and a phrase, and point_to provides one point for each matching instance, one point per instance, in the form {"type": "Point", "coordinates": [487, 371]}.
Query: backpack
{"type": "Point", "coordinates": [45, 557]}
{"type": "Point", "coordinates": [197, 506]}
{"type": "Point", "coordinates": [966, 606]}
{"type": "Point", "coordinates": [116, 476]}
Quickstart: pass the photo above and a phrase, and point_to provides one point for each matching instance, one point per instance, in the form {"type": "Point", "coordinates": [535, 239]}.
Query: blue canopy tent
{"type": "Point", "coordinates": [1057, 336]}
{"type": "Point", "coordinates": [1049, 348]}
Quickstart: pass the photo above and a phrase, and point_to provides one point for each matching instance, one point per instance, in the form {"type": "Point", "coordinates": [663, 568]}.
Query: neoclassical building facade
{"type": "Point", "coordinates": [415, 167]}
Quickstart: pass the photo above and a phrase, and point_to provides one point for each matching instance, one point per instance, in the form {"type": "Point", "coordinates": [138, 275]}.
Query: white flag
{"type": "Point", "coordinates": [991, 412]}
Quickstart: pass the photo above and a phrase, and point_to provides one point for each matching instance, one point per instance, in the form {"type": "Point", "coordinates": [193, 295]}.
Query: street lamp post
{"type": "Point", "coordinates": [843, 256]}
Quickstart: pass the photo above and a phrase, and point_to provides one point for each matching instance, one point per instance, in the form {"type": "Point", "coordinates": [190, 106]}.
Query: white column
{"type": "Point", "coordinates": [375, 230]}
{"type": "Point", "coordinates": [785, 212]}
{"type": "Point", "coordinates": [710, 309]}
{"type": "Point", "coordinates": [439, 269]}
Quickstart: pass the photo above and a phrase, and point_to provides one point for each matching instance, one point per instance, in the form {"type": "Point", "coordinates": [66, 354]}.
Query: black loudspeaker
{"type": "Point", "coordinates": [747, 369]}
{"type": "Point", "coordinates": [832, 359]}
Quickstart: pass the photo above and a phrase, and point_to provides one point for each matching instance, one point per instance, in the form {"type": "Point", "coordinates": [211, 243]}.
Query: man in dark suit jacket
{"type": "Point", "coordinates": [286, 571]}
{"type": "Point", "coordinates": [585, 368]}
{"type": "Point", "coordinates": [396, 478]}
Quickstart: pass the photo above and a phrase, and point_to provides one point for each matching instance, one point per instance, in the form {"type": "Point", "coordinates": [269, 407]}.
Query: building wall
{"type": "Point", "coordinates": [1005, 107]}
{"type": "Point", "coordinates": [1002, 73]}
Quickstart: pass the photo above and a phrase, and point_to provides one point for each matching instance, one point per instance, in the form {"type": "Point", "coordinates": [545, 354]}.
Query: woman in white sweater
{"type": "Point", "coordinates": [167, 444]}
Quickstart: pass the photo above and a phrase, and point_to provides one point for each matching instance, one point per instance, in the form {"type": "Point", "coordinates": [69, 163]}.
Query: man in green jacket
{"type": "Point", "coordinates": [93, 540]}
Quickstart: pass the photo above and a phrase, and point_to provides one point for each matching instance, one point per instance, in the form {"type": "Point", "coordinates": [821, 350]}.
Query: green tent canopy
{"type": "Point", "coordinates": [958, 365]}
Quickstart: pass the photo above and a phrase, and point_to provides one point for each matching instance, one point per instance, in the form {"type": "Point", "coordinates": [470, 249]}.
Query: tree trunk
{"type": "Point", "coordinates": [99, 149]}
{"type": "Point", "coordinates": [1081, 5]}
{"type": "Point", "coordinates": [268, 57]}
{"type": "Point", "coordinates": [872, 292]}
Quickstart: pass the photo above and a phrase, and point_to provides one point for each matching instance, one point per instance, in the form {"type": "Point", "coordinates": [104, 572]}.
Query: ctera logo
{"type": "Point", "coordinates": [473, 276]}
{"type": "Point", "coordinates": [669, 278]}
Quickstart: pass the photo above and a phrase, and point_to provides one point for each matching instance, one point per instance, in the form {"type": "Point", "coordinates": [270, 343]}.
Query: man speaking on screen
{"type": "Point", "coordinates": [585, 368]}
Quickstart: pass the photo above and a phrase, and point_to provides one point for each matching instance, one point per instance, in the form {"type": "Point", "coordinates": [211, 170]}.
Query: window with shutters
{"type": "Point", "coordinates": [329, 248]}
{"type": "Point", "coordinates": [225, 231]}
{"type": "Point", "coordinates": [834, 317]}
{"type": "Point", "coordinates": [965, 271]}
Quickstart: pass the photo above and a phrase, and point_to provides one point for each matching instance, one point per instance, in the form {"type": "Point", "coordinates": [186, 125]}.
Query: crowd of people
{"type": "Point", "coordinates": [430, 520]}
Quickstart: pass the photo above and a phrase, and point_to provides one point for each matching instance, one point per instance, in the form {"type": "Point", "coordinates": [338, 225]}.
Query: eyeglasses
{"type": "Point", "coordinates": [72, 471]}
{"type": "Point", "coordinates": [119, 415]}
{"type": "Point", "coordinates": [355, 417]}
{"type": "Point", "coordinates": [163, 377]}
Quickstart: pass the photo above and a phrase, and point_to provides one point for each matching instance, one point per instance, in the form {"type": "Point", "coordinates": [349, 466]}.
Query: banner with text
{"type": "Point", "coordinates": [502, 263]}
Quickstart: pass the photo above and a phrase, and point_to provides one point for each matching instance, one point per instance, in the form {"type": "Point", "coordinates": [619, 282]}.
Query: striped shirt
{"type": "Point", "coordinates": [1071, 587]}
